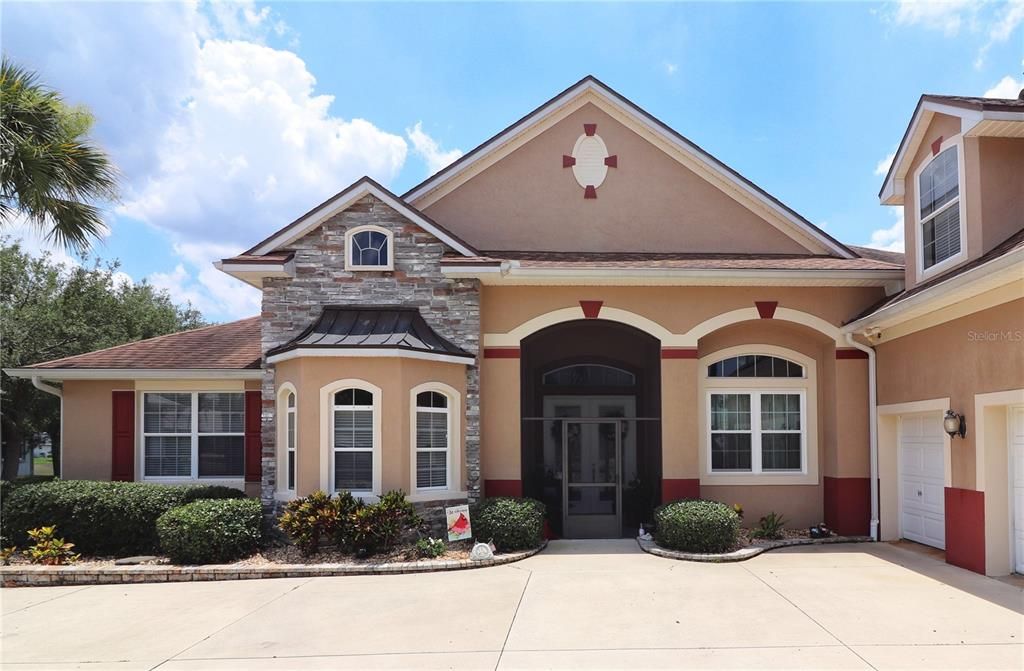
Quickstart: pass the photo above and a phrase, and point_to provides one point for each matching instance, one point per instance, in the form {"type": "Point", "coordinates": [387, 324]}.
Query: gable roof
{"type": "Point", "coordinates": [591, 89]}
{"type": "Point", "coordinates": [222, 347]}
{"type": "Point", "coordinates": [979, 116]}
{"type": "Point", "coordinates": [341, 201]}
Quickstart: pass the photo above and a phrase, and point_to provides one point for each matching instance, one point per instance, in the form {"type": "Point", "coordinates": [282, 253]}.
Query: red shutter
{"type": "Point", "coordinates": [123, 436]}
{"type": "Point", "coordinates": [253, 436]}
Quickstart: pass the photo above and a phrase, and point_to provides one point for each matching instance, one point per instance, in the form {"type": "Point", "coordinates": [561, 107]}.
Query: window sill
{"type": "Point", "coordinates": [759, 479]}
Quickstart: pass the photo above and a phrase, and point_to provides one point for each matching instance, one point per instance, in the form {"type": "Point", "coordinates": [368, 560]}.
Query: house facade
{"type": "Point", "coordinates": [591, 310]}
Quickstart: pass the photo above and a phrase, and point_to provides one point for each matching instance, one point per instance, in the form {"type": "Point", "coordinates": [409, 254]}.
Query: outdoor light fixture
{"type": "Point", "coordinates": [954, 424]}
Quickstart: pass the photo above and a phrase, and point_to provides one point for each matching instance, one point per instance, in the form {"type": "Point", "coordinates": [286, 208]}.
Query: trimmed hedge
{"type": "Point", "coordinates": [100, 518]}
{"type": "Point", "coordinates": [511, 524]}
{"type": "Point", "coordinates": [210, 531]}
{"type": "Point", "coordinates": [696, 526]}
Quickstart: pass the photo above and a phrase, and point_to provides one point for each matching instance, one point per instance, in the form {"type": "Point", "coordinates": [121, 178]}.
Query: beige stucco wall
{"type": "Point", "coordinates": [1001, 169]}
{"type": "Point", "coordinates": [650, 202]}
{"type": "Point", "coordinates": [395, 377]}
{"type": "Point", "coordinates": [500, 425]}
{"type": "Point", "coordinates": [87, 427]}
{"type": "Point", "coordinates": [979, 353]}
{"type": "Point", "coordinates": [802, 506]}
{"type": "Point", "coordinates": [679, 403]}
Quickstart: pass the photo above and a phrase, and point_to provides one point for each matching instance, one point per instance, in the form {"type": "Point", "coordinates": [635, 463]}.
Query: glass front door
{"type": "Point", "coordinates": [592, 453]}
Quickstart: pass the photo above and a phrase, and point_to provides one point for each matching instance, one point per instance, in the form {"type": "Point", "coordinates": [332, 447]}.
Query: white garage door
{"type": "Point", "coordinates": [1017, 484]}
{"type": "Point", "coordinates": [922, 479]}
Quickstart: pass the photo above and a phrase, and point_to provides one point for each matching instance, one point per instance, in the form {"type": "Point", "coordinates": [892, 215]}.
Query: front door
{"type": "Point", "coordinates": [592, 496]}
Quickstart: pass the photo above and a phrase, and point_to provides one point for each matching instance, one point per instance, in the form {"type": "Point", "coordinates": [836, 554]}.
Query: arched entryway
{"type": "Point", "coordinates": [591, 435]}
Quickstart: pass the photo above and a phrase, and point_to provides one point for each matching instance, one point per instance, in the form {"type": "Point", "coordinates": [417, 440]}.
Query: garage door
{"type": "Point", "coordinates": [922, 479]}
{"type": "Point", "coordinates": [1017, 484]}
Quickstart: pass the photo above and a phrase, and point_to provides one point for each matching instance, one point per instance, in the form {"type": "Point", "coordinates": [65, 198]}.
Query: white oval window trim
{"type": "Point", "coordinates": [590, 153]}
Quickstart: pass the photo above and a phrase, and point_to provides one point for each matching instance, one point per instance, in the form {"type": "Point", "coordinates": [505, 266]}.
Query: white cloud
{"type": "Point", "coordinates": [212, 292]}
{"type": "Point", "coordinates": [1003, 24]}
{"type": "Point", "coordinates": [945, 15]}
{"type": "Point", "coordinates": [429, 149]}
{"type": "Point", "coordinates": [670, 68]}
{"type": "Point", "coordinates": [890, 239]}
{"type": "Point", "coordinates": [882, 168]}
{"type": "Point", "coordinates": [1008, 87]}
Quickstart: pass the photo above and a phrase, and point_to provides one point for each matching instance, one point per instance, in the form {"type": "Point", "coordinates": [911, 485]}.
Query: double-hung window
{"type": "Point", "coordinates": [756, 431]}
{"type": "Point", "coordinates": [433, 438]}
{"type": "Point", "coordinates": [353, 440]}
{"type": "Point", "coordinates": [190, 435]}
{"type": "Point", "coordinates": [939, 208]}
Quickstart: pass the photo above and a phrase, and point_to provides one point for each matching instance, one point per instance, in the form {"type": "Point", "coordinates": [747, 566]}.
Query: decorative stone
{"type": "Point", "coordinates": [481, 552]}
{"type": "Point", "coordinates": [130, 561]}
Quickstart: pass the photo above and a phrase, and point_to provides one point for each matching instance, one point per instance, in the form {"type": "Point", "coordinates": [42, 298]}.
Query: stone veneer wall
{"type": "Point", "coordinates": [450, 306]}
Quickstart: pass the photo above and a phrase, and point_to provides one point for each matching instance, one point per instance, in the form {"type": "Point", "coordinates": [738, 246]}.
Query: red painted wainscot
{"type": "Point", "coordinates": [965, 529]}
{"type": "Point", "coordinates": [848, 505]}
{"type": "Point", "coordinates": [673, 489]}
{"type": "Point", "coordinates": [503, 488]}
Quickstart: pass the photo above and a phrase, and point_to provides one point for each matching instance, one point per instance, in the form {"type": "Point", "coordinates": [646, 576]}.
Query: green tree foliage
{"type": "Point", "coordinates": [49, 310]}
{"type": "Point", "coordinates": [51, 174]}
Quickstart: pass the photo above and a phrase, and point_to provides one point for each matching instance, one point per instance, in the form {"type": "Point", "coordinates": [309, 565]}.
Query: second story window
{"type": "Point", "coordinates": [939, 208]}
{"type": "Point", "coordinates": [368, 248]}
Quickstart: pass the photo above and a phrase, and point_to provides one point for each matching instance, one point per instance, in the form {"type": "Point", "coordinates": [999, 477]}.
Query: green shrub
{"type": "Point", "coordinates": [377, 526]}
{"type": "Point", "coordinates": [509, 523]}
{"type": "Point", "coordinates": [101, 518]}
{"type": "Point", "coordinates": [696, 526]}
{"type": "Point", "coordinates": [430, 548]}
{"type": "Point", "coordinates": [210, 531]}
{"type": "Point", "coordinates": [47, 549]}
{"type": "Point", "coordinates": [770, 526]}
{"type": "Point", "coordinates": [352, 524]}
{"type": "Point", "coordinates": [309, 519]}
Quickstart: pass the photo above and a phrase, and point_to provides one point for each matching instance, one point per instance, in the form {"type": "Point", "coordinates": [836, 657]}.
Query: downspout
{"type": "Point", "coordinates": [38, 383]}
{"type": "Point", "coordinates": [872, 430]}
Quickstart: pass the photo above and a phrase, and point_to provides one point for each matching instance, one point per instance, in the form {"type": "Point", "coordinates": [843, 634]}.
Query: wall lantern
{"type": "Point", "coordinates": [954, 424]}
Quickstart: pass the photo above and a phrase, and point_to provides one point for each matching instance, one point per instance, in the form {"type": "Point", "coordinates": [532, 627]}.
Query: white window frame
{"type": "Point", "coordinates": [283, 411]}
{"type": "Point", "coordinates": [807, 385]}
{"type": "Point", "coordinates": [453, 450]}
{"type": "Point", "coordinates": [960, 202]}
{"type": "Point", "coordinates": [349, 234]}
{"type": "Point", "coordinates": [194, 435]}
{"type": "Point", "coordinates": [327, 434]}
{"type": "Point", "coordinates": [756, 432]}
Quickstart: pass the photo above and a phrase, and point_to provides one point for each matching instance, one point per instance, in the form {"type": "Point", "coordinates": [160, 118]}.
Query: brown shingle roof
{"type": "Point", "coordinates": [897, 258]}
{"type": "Point", "coordinates": [977, 103]}
{"type": "Point", "coordinates": [620, 260]}
{"type": "Point", "coordinates": [235, 345]}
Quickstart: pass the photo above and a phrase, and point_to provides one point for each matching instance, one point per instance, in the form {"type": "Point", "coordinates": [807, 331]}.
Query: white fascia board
{"type": "Point", "coordinates": [953, 290]}
{"type": "Point", "coordinates": [492, 275]}
{"type": "Point", "coordinates": [253, 273]}
{"type": "Point", "coordinates": [137, 373]}
{"type": "Point", "coordinates": [368, 352]}
{"type": "Point", "coordinates": [342, 203]}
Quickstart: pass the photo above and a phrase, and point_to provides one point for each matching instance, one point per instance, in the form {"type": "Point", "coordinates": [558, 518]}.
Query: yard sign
{"type": "Point", "coordinates": [458, 523]}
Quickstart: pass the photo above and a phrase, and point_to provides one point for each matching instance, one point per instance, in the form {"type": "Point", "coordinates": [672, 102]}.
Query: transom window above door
{"type": "Point", "coordinates": [369, 248]}
{"type": "Point", "coordinates": [589, 375]}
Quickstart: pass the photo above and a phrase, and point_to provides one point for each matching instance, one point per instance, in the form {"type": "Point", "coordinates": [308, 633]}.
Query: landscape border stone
{"type": "Point", "coordinates": [748, 552]}
{"type": "Point", "coordinates": [39, 576]}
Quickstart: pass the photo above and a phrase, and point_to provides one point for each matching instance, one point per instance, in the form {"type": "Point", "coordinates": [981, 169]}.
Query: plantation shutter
{"type": "Point", "coordinates": [123, 436]}
{"type": "Point", "coordinates": [253, 437]}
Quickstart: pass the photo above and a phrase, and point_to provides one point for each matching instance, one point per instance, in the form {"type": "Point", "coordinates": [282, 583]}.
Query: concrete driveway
{"type": "Point", "coordinates": [584, 604]}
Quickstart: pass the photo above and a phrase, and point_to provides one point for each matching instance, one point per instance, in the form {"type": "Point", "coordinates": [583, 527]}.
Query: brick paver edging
{"type": "Point", "coordinates": [37, 576]}
{"type": "Point", "coordinates": [744, 553]}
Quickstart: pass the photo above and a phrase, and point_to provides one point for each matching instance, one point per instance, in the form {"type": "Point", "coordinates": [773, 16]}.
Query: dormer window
{"type": "Point", "coordinates": [368, 248]}
{"type": "Point", "coordinates": [940, 225]}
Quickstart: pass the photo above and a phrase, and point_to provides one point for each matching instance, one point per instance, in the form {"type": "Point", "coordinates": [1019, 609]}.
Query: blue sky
{"type": "Point", "coordinates": [228, 120]}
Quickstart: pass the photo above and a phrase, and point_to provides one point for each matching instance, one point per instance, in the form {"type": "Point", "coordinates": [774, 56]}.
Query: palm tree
{"type": "Point", "coordinates": [51, 174]}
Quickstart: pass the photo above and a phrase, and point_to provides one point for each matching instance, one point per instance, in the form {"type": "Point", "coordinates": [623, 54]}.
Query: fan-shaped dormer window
{"type": "Point", "coordinates": [755, 365]}
{"type": "Point", "coordinates": [368, 248]}
{"type": "Point", "coordinates": [589, 375]}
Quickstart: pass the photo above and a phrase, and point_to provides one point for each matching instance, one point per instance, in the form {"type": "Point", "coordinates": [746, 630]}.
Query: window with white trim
{"type": "Point", "coordinates": [939, 208]}
{"type": "Point", "coordinates": [353, 440]}
{"type": "Point", "coordinates": [757, 431]}
{"type": "Point", "coordinates": [368, 248]}
{"type": "Point", "coordinates": [193, 435]}
{"type": "Point", "coordinates": [290, 440]}
{"type": "Point", "coordinates": [433, 440]}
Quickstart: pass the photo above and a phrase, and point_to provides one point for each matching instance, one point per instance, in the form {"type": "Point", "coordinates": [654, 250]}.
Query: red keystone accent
{"type": "Point", "coordinates": [766, 308]}
{"type": "Point", "coordinates": [589, 128]}
{"type": "Point", "coordinates": [591, 309]}
{"type": "Point", "coordinates": [590, 191]}
{"type": "Point", "coordinates": [936, 146]}
{"type": "Point", "coordinates": [612, 161]}
{"type": "Point", "coordinates": [568, 161]}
